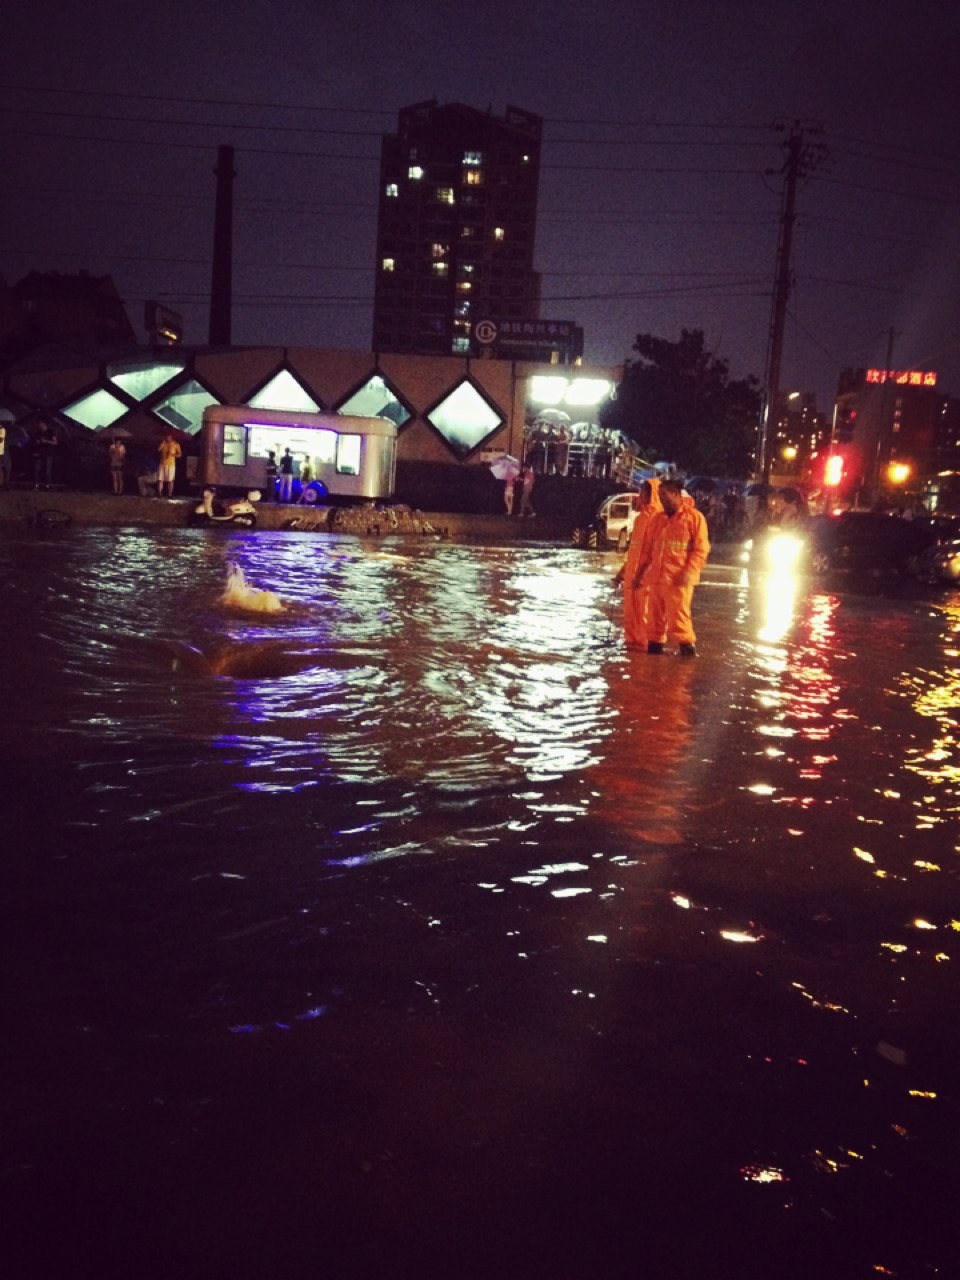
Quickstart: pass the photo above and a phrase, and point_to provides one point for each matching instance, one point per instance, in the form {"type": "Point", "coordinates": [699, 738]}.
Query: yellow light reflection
{"type": "Point", "coordinates": [762, 1173]}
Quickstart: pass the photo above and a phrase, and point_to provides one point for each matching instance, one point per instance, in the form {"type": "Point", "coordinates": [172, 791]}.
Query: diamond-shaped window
{"type": "Point", "coordinates": [140, 379]}
{"type": "Point", "coordinates": [464, 418]}
{"type": "Point", "coordinates": [284, 391]}
{"type": "Point", "coordinates": [184, 407]}
{"type": "Point", "coordinates": [376, 399]}
{"type": "Point", "coordinates": [98, 409]}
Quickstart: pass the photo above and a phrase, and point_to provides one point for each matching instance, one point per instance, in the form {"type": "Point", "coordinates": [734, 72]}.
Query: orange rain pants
{"type": "Point", "coordinates": [669, 614]}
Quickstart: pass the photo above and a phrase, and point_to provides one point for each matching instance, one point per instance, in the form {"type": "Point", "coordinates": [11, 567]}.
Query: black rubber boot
{"type": "Point", "coordinates": [687, 650]}
{"type": "Point", "coordinates": [654, 646]}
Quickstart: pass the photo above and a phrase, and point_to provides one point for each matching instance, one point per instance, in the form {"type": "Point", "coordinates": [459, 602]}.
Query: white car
{"type": "Point", "coordinates": [614, 520]}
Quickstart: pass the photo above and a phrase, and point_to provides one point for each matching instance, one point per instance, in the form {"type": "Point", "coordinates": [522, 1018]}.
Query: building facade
{"type": "Point", "coordinates": [887, 433]}
{"type": "Point", "coordinates": [447, 409]}
{"type": "Point", "coordinates": [79, 308]}
{"type": "Point", "coordinates": [456, 229]}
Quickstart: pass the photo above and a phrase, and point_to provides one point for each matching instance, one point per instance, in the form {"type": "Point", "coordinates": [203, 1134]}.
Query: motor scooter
{"type": "Point", "coordinates": [214, 510]}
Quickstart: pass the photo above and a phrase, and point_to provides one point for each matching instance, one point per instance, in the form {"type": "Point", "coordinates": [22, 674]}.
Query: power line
{"type": "Point", "coordinates": [390, 113]}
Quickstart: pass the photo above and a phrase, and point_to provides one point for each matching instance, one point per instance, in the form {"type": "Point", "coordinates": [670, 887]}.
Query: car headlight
{"type": "Point", "coordinates": [784, 550]}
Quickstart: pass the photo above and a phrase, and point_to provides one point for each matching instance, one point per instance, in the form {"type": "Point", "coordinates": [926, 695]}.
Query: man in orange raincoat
{"type": "Point", "coordinates": [636, 600]}
{"type": "Point", "coordinates": [675, 549]}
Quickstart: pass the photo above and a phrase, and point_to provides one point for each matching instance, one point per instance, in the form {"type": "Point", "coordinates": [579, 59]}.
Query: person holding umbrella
{"type": "Point", "coordinates": [506, 468]}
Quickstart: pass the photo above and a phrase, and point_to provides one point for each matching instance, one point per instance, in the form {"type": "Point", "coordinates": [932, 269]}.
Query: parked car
{"type": "Point", "coordinates": [611, 526]}
{"type": "Point", "coordinates": [940, 562]}
{"type": "Point", "coordinates": [850, 546]}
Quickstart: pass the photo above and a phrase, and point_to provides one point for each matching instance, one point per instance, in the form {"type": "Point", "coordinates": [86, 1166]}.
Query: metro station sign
{"type": "Point", "coordinates": [524, 335]}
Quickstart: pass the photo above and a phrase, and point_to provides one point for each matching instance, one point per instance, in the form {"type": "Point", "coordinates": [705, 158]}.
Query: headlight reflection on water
{"type": "Point", "coordinates": [783, 551]}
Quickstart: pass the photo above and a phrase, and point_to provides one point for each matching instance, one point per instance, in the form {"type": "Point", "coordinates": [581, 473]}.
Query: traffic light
{"type": "Point", "coordinates": [833, 471]}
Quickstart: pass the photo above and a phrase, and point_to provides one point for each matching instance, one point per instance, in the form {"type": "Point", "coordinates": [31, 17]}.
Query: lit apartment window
{"type": "Point", "coordinates": [440, 268]}
{"type": "Point", "coordinates": [466, 268]}
{"type": "Point", "coordinates": [498, 233]}
{"type": "Point", "coordinates": [525, 159]}
{"type": "Point", "coordinates": [467, 233]}
{"type": "Point", "coordinates": [462, 308]}
{"type": "Point", "coordinates": [462, 325]}
{"type": "Point", "coordinates": [445, 195]}
{"type": "Point", "coordinates": [392, 190]}
{"type": "Point", "coordinates": [473, 157]}
{"type": "Point", "coordinates": [473, 177]}
{"type": "Point", "coordinates": [464, 286]}
{"type": "Point", "coordinates": [415, 172]}
{"type": "Point", "coordinates": [461, 344]}
{"type": "Point", "coordinates": [439, 250]}
{"type": "Point", "coordinates": [388, 264]}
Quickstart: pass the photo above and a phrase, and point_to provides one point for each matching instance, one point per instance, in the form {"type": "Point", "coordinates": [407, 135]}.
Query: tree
{"type": "Point", "coordinates": [679, 400]}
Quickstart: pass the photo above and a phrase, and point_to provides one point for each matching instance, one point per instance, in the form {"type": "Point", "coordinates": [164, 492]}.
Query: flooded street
{"type": "Point", "coordinates": [421, 929]}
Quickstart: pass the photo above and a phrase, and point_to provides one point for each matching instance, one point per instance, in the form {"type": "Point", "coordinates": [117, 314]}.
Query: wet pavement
{"type": "Point", "coordinates": [420, 928]}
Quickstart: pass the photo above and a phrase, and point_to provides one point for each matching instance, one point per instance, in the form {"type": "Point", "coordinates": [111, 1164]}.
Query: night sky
{"type": "Point", "coordinates": [660, 185]}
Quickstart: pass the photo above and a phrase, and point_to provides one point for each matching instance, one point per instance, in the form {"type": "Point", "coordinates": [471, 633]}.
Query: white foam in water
{"type": "Point", "coordinates": [239, 595]}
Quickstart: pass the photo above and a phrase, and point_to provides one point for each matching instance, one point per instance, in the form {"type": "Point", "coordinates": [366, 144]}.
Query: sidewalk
{"type": "Point", "coordinates": [65, 507]}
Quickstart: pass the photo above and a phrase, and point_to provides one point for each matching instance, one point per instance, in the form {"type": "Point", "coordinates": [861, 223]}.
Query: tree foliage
{"type": "Point", "coordinates": [679, 402]}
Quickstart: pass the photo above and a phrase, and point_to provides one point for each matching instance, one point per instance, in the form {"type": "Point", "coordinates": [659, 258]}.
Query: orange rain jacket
{"type": "Point", "coordinates": [675, 547]}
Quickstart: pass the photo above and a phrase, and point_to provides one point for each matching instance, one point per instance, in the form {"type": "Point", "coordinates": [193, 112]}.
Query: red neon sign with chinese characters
{"type": "Point", "coordinates": [904, 377]}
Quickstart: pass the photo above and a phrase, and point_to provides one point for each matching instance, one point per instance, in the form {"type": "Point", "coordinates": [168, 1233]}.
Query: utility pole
{"type": "Point", "coordinates": [875, 478]}
{"type": "Point", "coordinates": [798, 161]}
{"type": "Point", "coordinates": [221, 275]}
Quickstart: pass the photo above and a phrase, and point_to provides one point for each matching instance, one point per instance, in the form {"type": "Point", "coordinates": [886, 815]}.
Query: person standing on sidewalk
{"type": "Point", "coordinates": [527, 480]}
{"type": "Point", "coordinates": [675, 550]}
{"type": "Point", "coordinates": [286, 476]}
{"type": "Point", "coordinates": [118, 454]}
{"type": "Point", "coordinates": [44, 451]}
{"type": "Point", "coordinates": [169, 452]}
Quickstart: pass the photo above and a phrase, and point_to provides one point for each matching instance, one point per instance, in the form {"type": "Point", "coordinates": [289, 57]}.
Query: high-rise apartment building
{"type": "Point", "coordinates": [456, 228]}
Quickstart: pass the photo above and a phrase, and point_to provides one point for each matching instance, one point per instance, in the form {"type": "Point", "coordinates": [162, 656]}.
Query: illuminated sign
{"type": "Point", "coordinates": [904, 377]}
{"type": "Point", "coordinates": [511, 336]}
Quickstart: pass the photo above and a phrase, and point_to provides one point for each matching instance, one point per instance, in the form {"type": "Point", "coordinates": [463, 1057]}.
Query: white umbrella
{"type": "Point", "coordinates": [556, 417]}
{"type": "Point", "coordinates": [506, 467]}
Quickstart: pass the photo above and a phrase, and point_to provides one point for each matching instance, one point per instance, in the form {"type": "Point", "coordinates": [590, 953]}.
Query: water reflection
{"type": "Point", "coordinates": [433, 812]}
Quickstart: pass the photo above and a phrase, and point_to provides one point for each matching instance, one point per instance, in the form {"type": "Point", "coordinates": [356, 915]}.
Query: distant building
{"type": "Point", "coordinates": [890, 429]}
{"type": "Point", "coordinates": [800, 431]}
{"type": "Point", "coordinates": [455, 236]}
{"type": "Point", "coordinates": [74, 310]}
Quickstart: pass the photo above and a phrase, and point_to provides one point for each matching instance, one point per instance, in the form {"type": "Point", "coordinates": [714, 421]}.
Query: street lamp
{"type": "Point", "coordinates": [898, 472]}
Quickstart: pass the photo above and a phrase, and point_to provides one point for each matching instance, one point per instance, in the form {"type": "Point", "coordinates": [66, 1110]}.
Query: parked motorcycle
{"type": "Point", "coordinates": [214, 510]}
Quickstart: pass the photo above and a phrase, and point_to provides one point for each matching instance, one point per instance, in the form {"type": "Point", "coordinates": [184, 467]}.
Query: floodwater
{"type": "Point", "coordinates": [421, 929]}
